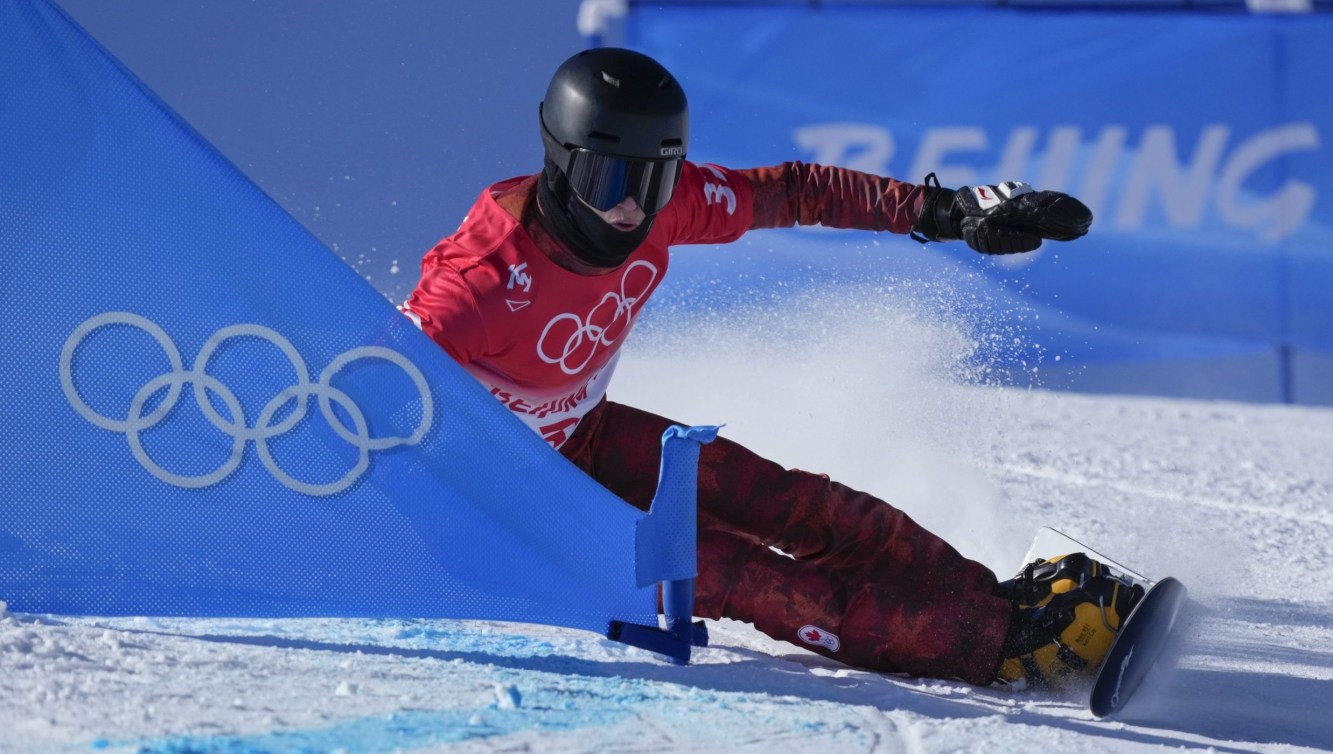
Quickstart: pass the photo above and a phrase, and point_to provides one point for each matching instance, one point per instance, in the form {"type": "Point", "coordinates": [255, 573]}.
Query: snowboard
{"type": "Point", "coordinates": [1143, 634]}
{"type": "Point", "coordinates": [1136, 647]}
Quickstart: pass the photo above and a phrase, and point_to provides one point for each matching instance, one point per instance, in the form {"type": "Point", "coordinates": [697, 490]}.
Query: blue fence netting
{"type": "Point", "coordinates": [211, 414]}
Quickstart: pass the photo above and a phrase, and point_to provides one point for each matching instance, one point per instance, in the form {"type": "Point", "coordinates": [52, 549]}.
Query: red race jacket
{"type": "Point", "coordinates": [544, 339]}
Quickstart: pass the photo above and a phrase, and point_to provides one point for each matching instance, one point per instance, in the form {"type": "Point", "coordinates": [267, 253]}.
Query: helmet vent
{"type": "Point", "coordinates": [612, 80]}
{"type": "Point", "coordinates": [604, 137]}
{"type": "Point", "coordinates": [672, 142]}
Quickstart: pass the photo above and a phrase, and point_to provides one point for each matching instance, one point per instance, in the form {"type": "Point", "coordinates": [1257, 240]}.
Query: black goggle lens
{"type": "Point", "coordinates": [603, 181]}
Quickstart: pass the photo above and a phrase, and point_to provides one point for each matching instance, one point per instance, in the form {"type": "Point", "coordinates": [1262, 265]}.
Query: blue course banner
{"type": "Point", "coordinates": [211, 414]}
{"type": "Point", "coordinates": [1199, 140]}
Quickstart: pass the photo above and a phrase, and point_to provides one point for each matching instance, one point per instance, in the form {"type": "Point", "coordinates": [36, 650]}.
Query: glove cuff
{"type": "Point", "coordinates": [935, 221]}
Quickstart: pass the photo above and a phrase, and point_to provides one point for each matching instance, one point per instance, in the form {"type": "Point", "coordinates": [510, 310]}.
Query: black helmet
{"type": "Point", "coordinates": [616, 124]}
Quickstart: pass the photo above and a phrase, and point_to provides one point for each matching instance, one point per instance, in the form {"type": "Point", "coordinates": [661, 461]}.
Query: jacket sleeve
{"type": "Point", "coordinates": [711, 204]}
{"type": "Point", "coordinates": [445, 307]}
{"type": "Point", "coordinates": [796, 193]}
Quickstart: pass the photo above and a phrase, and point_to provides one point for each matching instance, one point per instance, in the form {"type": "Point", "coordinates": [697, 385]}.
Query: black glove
{"type": "Point", "coordinates": [1009, 218]}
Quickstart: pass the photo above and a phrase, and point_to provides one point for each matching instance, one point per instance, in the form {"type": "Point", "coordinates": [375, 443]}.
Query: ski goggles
{"type": "Point", "coordinates": [602, 181]}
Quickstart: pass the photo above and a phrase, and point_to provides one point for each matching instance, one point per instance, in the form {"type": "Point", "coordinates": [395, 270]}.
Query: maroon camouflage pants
{"type": "Point", "coordinates": [864, 584]}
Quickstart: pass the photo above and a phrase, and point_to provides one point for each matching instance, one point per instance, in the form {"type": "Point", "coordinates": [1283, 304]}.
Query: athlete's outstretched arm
{"type": "Point", "coordinates": [1006, 218]}
{"type": "Point", "coordinates": [798, 193]}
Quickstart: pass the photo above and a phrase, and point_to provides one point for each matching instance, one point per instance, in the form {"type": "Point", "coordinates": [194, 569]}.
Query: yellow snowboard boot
{"type": "Point", "coordinates": [1067, 612]}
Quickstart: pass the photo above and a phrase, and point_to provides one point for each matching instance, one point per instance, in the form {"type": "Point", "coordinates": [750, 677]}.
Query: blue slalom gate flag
{"type": "Point", "coordinates": [210, 414]}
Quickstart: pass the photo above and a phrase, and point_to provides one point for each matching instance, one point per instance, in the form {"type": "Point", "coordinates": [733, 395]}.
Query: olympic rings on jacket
{"type": "Point", "coordinates": [603, 326]}
{"type": "Point", "coordinates": [237, 427]}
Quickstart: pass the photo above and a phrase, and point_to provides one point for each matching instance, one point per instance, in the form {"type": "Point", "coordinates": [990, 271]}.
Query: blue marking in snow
{"type": "Point", "coordinates": [401, 730]}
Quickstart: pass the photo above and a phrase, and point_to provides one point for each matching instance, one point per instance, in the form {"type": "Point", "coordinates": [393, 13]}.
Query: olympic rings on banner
{"type": "Point", "coordinates": [237, 427]}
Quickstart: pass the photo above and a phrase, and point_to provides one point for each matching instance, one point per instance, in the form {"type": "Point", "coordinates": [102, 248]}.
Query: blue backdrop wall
{"type": "Point", "coordinates": [1199, 139]}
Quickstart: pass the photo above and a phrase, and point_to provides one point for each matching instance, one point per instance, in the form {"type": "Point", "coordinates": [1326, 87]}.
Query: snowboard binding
{"type": "Point", "coordinates": [1068, 611]}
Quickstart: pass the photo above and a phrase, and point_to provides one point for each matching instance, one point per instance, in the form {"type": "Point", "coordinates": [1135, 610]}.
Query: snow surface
{"type": "Point", "coordinates": [1231, 498]}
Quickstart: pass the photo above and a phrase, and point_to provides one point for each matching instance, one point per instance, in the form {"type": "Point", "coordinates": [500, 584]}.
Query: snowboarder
{"type": "Point", "coordinates": [536, 291]}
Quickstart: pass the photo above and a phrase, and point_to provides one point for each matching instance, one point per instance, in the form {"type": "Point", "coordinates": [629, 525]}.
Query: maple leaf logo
{"type": "Point", "coordinates": [819, 637]}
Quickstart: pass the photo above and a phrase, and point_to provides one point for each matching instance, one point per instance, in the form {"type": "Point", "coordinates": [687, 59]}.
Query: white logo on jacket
{"type": "Point", "coordinates": [604, 325]}
{"type": "Point", "coordinates": [518, 277]}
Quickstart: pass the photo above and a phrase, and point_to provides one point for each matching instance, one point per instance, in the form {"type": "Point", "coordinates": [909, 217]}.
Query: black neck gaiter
{"type": "Point", "coordinates": [575, 225]}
